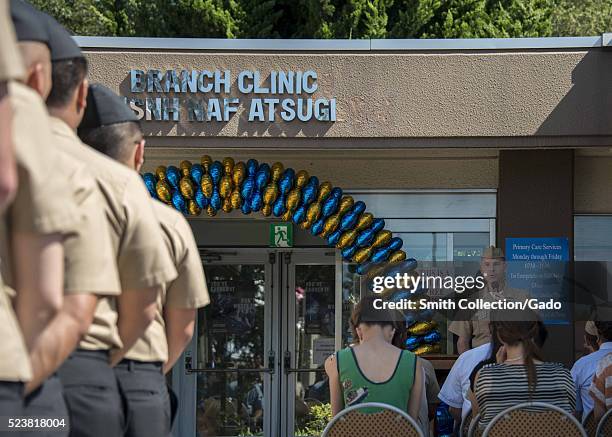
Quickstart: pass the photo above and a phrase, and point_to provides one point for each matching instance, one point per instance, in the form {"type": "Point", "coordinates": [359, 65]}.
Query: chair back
{"type": "Point", "coordinates": [604, 429]}
{"type": "Point", "coordinates": [534, 419]}
{"type": "Point", "coordinates": [590, 424]}
{"type": "Point", "coordinates": [474, 430]}
{"type": "Point", "coordinates": [465, 425]}
{"type": "Point", "coordinates": [388, 421]}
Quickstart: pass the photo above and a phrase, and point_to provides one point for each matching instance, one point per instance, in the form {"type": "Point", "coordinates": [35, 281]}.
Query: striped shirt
{"type": "Point", "coordinates": [601, 389]}
{"type": "Point", "coordinates": [501, 386]}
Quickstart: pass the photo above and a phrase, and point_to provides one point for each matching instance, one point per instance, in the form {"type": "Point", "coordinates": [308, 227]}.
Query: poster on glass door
{"type": "Point", "coordinates": [319, 300]}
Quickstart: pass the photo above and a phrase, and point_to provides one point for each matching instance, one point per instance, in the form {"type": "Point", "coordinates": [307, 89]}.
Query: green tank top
{"type": "Point", "coordinates": [358, 389]}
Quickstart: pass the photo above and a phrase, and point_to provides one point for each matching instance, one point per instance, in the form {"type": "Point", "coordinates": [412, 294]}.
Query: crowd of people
{"type": "Point", "coordinates": [500, 365]}
{"type": "Point", "coordinates": [100, 283]}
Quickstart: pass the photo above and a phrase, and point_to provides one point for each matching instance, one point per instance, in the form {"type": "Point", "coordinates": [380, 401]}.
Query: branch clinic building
{"type": "Point", "coordinates": [456, 144]}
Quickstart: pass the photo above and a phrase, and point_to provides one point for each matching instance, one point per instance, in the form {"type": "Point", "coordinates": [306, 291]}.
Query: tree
{"type": "Point", "coordinates": [407, 18]}
{"type": "Point", "coordinates": [362, 19]}
{"type": "Point", "coordinates": [582, 17]}
{"type": "Point", "coordinates": [81, 17]}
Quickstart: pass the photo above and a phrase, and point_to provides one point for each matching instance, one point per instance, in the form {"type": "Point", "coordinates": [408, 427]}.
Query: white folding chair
{"type": "Point", "coordinates": [387, 421]}
{"type": "Point", "coordinates": [474, 430]}
{"type": "Point", "coordinates": [465, 424]}
{"type": "Point", "coordinates": [604, 428]}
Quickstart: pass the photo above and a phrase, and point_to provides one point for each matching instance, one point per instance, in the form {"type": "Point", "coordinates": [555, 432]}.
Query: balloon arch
{"type": "Point", "coordinates": [297, 197]}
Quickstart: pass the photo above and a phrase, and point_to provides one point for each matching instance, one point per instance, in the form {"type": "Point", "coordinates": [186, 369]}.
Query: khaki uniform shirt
{"type": "Point", "coordinates": [11, 65]}
{"type": "Point", "coordinates": [187, 291]}
{"type": "Point", "coordinates": [477, 328]}
{"type": "Point", "coordinates": [142, 258]}
{"type": "Point", "coordinates": [15, 363]}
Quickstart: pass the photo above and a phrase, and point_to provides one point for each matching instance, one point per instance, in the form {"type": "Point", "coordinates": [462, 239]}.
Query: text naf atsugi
{"type": "Point", "coordinates": [204, 95]}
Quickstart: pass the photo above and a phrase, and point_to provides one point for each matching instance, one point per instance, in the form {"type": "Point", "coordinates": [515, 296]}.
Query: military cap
{"type": "Point", "coordinates": [61, 43]}
{"type": "Point", "coordinates": [29, 22]}
{"type": "Point", "coordinates": [492, 252]}
{"type": "Point", "coordinates": [105, 107]}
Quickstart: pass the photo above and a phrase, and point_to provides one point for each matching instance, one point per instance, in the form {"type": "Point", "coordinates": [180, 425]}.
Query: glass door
{"type": "Point", "coordinates": [310, 317]}
{"type": "Point", "coordinates": [230, 366]}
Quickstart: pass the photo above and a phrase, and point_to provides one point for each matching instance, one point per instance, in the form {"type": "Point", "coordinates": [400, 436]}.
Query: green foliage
{"type": "Point", "coordinates": [319, 417]}
{"type": "Point", "coordinates": [333, 18]}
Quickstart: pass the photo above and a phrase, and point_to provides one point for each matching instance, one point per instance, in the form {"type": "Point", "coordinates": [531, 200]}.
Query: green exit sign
{"type": "Point", "coordinates": [281, 235]}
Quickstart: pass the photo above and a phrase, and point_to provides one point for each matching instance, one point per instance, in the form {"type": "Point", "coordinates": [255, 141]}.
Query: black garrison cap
{"type": "Point", "coordinates": [60, 41]}
{"type": "Point", "coordinates": [29, 22]}
{"type": "Point", "coordinates": [104, 107]}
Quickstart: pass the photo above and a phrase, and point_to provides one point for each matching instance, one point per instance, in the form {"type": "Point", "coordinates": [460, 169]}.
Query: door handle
{"type": "Point", "coordinates": [271, 361]}
{"type": "Point", "coordinates": [287, 361]}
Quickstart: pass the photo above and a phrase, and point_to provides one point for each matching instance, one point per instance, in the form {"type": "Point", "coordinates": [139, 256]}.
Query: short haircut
{"type": "Point", "coordinates": [67, 74]}
{"type": "Point", "coordinates": [604, 329]}
{"type": "Point", "coordinates": [114, 140]}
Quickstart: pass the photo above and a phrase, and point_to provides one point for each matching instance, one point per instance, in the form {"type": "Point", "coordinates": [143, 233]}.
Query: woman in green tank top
{"type": "Point", "coordinates": [374, 370]}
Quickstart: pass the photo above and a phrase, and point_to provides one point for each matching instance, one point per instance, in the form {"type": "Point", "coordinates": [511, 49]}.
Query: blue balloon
{"type": "Point", "coordinates": [317, 227]}
{"type": "Point", "coordinates": [149, 180]}
{"type": "Point", "coordinates": [413, 342]}
{"type": "Point", "coordinates": [251, 167]}
{"type": "Point", "coordinates": [425, 315]}
{"type": "Point", "coordinates": [348, 252]}
{"type": "Point", "coordinates": [256, 201]}
{"type": "Point", "coordinates": [246, 208]}
{"type": "Point", "coordinates": [279, 208]}
{"type": "Point", "coordinates": [196, 172]}
{"type": "Point", "coordinates": [215, 199]}
{"type": "Point", "coordinates": [365, 238]}
{"type": "Point", "coordinates": [247, 188]}
{"type": "Point", "coordinates": [173, 176]}
{"type": "Point", "coordinates": [363, 268]}
{"type": "Point", "coordinates": [382, 254]}
{"type": "Point", "coordinates": [299, 215]}
{"type": "Point", "coordinates": [332, 239]}
{"type": "Point", "coordinates": [349, 221]}
{"type": "Point", "coordinates": [409, 319]}
{"type": "Point", "coordinates": [331, 203]}
{"type": "Point", "coordinates": [432, 337]}
{"type": "Point", "coordinates": [262, 176]}
{"type": "Point", "coordinates": [309, 194]}
{"type": "Point", "coordinates": [286, 181]}
{"type": "Point", "coordinates": [216, 171]}
{"type": "Point", "coordinates": [179, 202]}
{"type": "Point", "coordinates": [398, 296]}
{"type": "Point", "coordinates": [201, 199]}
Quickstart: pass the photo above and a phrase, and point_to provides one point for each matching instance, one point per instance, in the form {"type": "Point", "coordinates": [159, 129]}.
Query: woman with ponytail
{"type": "Point", "coordinates": [519, 373]}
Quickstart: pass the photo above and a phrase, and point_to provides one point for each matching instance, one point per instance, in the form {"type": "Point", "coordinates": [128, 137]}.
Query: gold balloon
{"type": "Point", "coordinates": [206, 161]}
{"type": "Point", "coordinates": [207, 185]}
{"type": "Point", "coordinates": [312, 215]}
{"type": "Point", "coordinates": [236, 199]}
{"type": "Point", "coordinates": [365, 221]}
{"type": "Point", "coordinates": [186, 187]}
{"type": "Point", "coordinates": [270, 194]}
{"type": "Point", "coordinates": [266, 210]}
{"type": "Point", "coordinates": [211, 211]}
{"type": "Point", "coordinates": [277, 171]}
{"type": "Point", "coordinates": [383, 237]}
{"type": "Point", "coordinates": [330, 225]}
{"type": "Point", "coordinates": [397, 256]}
{"type": "Point", "coordinates": [421, 328]}
{"type": "Point", "coordinates": [286, 216]}
{"type": "Point", "coordinates": [239, 172]}
{"type": "Point", "coordinates": [227, 205]}
{"type": "Point", "coordinates": [324, 190]}
{"type": "Point", "coordinates": [362, 255]}
{"type": "Point", "coordinates": [160, 172]}
{"type": "Point", "coordinates": [376, 271]}
{"type": "Point", "coordinates": [301, 178]}
{"type": "Point", "coordinates": [428, 349]}
{"type": "Point", "coordinates": [163, 191]}
{"type": "Point", "coordinates": [193, 208]}
{"type": "Point", "coordinates": [346, 203]}
{"type": "Point", "coordinates": [228, 165]}
{"type": "Point", "coordinates": [346, 239]}
{"type": "Point", "coordinates": [185, 167]}
{"type": "Point", "coordinates": [293, 198]}
{"type": "Point", "coordinates": [225, 187]}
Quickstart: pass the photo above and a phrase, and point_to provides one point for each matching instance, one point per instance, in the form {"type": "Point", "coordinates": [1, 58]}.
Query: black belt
{"type": "Point", "coordinates": [140, 365]}
{"type": "Point", "coordinates": [101, 355]}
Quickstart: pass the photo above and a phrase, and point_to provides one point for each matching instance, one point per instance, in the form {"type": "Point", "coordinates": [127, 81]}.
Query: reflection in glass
{"type": "Point", "coordinates": [231, 336]}
{"type": "Point", "coordinates": [315, 325]}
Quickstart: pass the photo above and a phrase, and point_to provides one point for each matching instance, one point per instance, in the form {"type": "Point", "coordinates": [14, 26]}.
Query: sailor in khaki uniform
{"type": "Point", "coordinates": [471, 327]}
{"type": "Point", "coordinates": [112, 128]}
{"type": "Point", "coordinates": [87, 244]}
{"type": "Point", "coordinates": [90, 386]}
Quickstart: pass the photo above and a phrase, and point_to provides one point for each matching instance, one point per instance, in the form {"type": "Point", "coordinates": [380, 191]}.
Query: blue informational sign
{"type": "Point", "coordinates": [539, 266]}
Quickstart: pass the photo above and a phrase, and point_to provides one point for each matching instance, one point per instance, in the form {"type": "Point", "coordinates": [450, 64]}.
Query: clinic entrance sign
{"type": "Point", "coordinates": [281, 235]}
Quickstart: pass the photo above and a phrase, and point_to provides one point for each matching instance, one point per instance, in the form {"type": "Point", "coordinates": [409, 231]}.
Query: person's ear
{"type": "Point", "coordinates": [139, 155]}
{"type": "Point", "coordinates": [82, 90]}
{"type": "Point", "coordinates": [36, 78]}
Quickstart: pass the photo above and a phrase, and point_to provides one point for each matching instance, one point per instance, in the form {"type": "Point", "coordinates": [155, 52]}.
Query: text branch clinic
{"type": "Point", "coordinates": [283, 95]}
